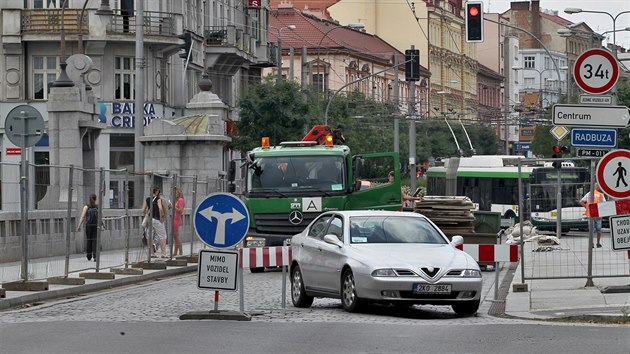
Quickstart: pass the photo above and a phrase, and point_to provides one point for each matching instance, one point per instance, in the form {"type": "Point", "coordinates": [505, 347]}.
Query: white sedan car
{"type": "Point", "coordinates": [382, 256]}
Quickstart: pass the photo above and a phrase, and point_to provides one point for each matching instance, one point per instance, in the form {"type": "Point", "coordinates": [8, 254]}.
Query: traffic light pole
{"type": "Point", "coordinates": [412, 136]}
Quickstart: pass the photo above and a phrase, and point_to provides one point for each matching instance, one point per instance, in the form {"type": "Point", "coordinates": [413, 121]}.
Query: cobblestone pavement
{"type": "Point", "coordinates": [165, 300]}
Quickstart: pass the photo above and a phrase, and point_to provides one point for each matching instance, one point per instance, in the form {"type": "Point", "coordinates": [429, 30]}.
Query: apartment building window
{"type": "Point", "coordinates": [124, 78]}
{"type": "Point", "coordinates": [529, 62]}
{"type": "Point", "coordinates": [529, 82]}
{"type": "Point", "coordinates": [547, 63]}
{"type": "Point", "coordinates": [49, 4]}
{"type": "Point", "coordinates": [44, 74]}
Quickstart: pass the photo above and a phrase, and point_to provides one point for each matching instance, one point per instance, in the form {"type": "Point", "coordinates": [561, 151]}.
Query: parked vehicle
{"type": "Point", "coordinates": [382, 256]}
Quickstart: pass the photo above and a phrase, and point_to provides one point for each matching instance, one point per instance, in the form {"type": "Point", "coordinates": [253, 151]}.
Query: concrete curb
{"type": "Point", "coordinates": [9, 303]}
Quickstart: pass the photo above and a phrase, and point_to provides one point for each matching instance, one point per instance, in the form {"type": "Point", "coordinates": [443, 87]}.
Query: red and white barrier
{"type": "Point", "coordinates": [616, 207]}
{"type": "Point", "coordinates": [265, 257]}
{"type": "Point", "coordinates": [491, 253]}
{"type": "Point", "coordinates": [282, 255]}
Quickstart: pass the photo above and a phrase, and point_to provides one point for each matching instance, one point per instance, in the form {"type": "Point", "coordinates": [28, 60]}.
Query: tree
{"type": "Point", "coordinates": [271, 108]}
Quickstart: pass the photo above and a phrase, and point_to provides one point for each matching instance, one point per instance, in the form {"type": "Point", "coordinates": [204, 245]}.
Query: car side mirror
{"type": "Point", "coordinates": [457, 240]}
{"type": "Point", "coordinates": [333, 240]}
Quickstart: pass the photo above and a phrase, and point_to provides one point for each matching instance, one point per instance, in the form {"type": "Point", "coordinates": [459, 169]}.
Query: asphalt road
{"type": "Point", "coordinates": [144, 318]}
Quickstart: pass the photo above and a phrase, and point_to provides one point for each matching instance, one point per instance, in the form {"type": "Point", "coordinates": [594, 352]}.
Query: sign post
{"type": "Point", "coordinates": [24, 126]}
{"type": "Point", "coordinates": [220, 221]}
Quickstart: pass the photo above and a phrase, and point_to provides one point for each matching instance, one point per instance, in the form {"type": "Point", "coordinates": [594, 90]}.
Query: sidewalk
{"type": "Point", "coordinates": [569, 297]}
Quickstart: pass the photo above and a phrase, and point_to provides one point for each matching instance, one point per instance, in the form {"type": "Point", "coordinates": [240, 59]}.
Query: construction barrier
{"type": "Point", "coordinates": [265, 257]}
{"type": "Point", "coordinates": [282, 255]}
{"type": "Point", "coordinates": [491, 253]}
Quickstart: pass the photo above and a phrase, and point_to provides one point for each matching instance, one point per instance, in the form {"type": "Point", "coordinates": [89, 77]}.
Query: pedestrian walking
{"type": "Point", "coordinates": [180, 204]}
{"type": "Point", "coordinates": [89, 215]}
{"type": "Point", "coordinates": [598, 197]}
{"type": "Point", "coordinates": [158, 217]}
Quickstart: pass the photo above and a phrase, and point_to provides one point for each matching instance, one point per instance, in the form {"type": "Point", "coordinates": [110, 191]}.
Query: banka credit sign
{"type": "Point", "coordinates": [594, 138]}
{"type": "Point", "coordinates": [122, 114]}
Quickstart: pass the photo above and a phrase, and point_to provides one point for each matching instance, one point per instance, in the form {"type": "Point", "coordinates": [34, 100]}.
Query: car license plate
{"type": "Point", "coordinates": [431, 288]}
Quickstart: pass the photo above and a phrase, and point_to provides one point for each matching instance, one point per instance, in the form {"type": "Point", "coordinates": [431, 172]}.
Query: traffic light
{"type": "Point", "coordinates": [558, 151]}
{"type": "Point", "coordinates": [186, 46]}
{"type": "Point", "coordinates": [412, 65]}
{"type": "Point", "coordinates": [474, 21]}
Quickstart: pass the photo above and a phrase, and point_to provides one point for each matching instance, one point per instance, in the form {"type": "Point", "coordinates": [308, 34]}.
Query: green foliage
{"type": "Point", "coordinates": [623, 96]}
{"type": "Point", "coordinates": [273, 109]}
{"type": "Point", "coordinates": [278, 110]}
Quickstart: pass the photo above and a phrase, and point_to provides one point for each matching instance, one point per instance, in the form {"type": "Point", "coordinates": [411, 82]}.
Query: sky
{"type": "Point", "coordinates": [598, 22]}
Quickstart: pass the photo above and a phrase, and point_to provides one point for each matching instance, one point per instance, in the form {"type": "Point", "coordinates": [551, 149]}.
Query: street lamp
{"type": "Point", "coordinates": [356, 26]}
{"type": "Point", "coordinates": [576, 10]}
{"type": "Point", "coordinates": [291, 27]}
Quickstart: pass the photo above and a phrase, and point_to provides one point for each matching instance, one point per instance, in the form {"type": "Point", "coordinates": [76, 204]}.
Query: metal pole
{"type": "Point", "coordinates": [241, 292]}
{"type": "Point", "coordinates": [506, 91]}
{"type": "Point", "coordinates": [280, 54]}
{"type": "Point", "coordinates": [291, 55]}
{"type": "Point", "coordinates": [101, 198]}
{"type": "Point", "coordinates": [24, 200]}
{"type": "Point", "coordinates": [68, 218]}
{"type": "Point", "coordinates": [139, 102]}
{"type": "Point", "coordinates": [412, 134]}
{"type": "Point", "coordinates": [559, 201]}
{"type": "Point", "coordinates": [192, 218]}
{"type": "Point", "coordinates": [591, 198]}
{"type": "Point", "coordinates": [520, 221]}
{"type": "Point", "coordinates": [127, 220]}
{"type": "Point", "coordinates": [396, 100]}
{"type": "Point", "coordinates": [172, 225]}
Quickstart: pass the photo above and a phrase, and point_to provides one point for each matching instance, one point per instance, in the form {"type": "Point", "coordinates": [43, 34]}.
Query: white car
{"type": "Point", "coordinates": [382, 256]}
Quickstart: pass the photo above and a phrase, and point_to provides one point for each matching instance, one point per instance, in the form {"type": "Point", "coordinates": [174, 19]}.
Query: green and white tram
{"type": "Point", "coordinates": [491, 182]}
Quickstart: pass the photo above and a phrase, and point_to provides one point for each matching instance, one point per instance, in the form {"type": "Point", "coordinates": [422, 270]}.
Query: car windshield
{"type": "Point", "coordinates": [393, 229]}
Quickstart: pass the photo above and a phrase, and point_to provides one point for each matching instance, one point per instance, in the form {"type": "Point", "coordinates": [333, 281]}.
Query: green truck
{"type": "Point", "coordinates": [289, 185]}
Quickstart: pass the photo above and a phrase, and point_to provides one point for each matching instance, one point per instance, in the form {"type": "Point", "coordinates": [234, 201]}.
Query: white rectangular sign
{"type": "Point", "coordinates": [596, 116]}
{"type": "Point", "coordinates": [596, 99]}
{"type": "Point", "coordinates": [217, 270]}
{"type": "Point", "coordinates": [620, 230]}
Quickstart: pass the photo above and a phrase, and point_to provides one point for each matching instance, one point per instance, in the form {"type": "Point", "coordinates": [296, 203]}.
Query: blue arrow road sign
{"type": "Point", "coordinates": [221, 220]}
{"type": "Point", "coordinates": [589, 137]}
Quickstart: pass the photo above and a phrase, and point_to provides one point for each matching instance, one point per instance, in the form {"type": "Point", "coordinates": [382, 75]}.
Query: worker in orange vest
{"type": "Point", "coordinates": [598, 197]}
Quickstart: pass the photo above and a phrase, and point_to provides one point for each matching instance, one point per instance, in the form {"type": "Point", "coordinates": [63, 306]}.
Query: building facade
{"type": "Point", "coordinates": [228, 43]}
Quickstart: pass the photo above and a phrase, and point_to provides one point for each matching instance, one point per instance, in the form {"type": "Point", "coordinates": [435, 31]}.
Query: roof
{"type": "Point", "coordinates": [557, 19]}
{"type": "Point", "coordinates": [316, 34]}
{"type": "Point", "coordinates": [318, 150]}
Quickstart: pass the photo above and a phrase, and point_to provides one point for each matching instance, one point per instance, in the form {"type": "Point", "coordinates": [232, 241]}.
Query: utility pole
{"type": "Point", "coordinates": [507, 86]}
{"type": "Point", "coordinates": [139, 102]}
{"type": "Point", "coordinates": [396, 100]}
{"type": "Point", "coordinates": [412, 133]}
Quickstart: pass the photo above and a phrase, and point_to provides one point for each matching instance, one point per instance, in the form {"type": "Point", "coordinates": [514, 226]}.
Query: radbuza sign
{"type": "Point", "coordinates": [596, 138]}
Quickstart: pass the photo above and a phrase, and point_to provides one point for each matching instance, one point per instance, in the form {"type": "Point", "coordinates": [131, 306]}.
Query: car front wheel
{"type": "Point", "coordinates": [298, 294]}
{"type": "Point", "coordinates": [349, 299]}
{"type": "Point", "coordinates": [466, 308]}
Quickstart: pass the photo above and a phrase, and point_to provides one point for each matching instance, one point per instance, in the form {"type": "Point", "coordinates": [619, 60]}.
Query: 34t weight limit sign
{"type": "Point", "coordinates": [596, 71]}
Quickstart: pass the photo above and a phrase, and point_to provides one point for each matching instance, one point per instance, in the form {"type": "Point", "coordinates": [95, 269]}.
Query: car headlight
{"type": "Point", "coordinates": [471, 273]}
{"type": "Point", "coordinates": [384, 273]}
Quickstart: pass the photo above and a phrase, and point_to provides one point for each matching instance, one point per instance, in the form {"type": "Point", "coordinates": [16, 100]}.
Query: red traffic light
{"type": "Point", "coordinates": [473, 11]}
{"type": "Point", "coordinates": [556, 149]}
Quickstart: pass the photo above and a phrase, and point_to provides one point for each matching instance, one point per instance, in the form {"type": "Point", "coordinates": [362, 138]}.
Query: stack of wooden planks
{"type": "Point", "coordinates": [452, 214]}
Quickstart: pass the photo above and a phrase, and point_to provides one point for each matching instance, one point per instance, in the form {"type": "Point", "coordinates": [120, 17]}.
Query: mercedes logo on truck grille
{"type": "Point", "coordinates": [296, 217]}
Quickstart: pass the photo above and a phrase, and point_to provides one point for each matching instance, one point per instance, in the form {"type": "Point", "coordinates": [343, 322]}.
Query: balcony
{"type": "Point", "coordinates": [155, 23]}
{"type": "Point", "coordinates": [46, 21]}
{"type": "Point", "coordinates": [228, 48]}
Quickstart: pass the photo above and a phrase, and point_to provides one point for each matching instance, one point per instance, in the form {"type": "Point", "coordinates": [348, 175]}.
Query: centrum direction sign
{"type": "Point", "coordinates": [620, 230]}
{"type": "Point", "coordinates": [594, 116]}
